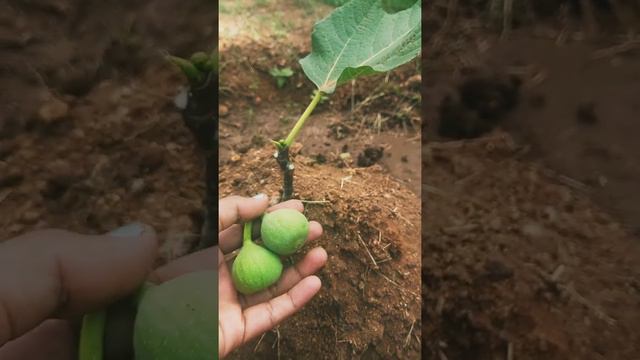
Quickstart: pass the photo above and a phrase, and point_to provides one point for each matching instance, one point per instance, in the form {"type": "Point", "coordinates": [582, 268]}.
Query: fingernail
{"type": "Point", "coordinates": [260, 196]}
{"type": "Point", "coordinates": [130, 230]}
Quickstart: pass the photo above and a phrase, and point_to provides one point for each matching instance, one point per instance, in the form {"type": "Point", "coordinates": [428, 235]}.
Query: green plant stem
{"type": "Point", "coordinates": [305, 115]}
{"type": "Point", "coordinates": [92, 336]}
{"type": "Point", "coordinates": [246, 233]}
{"type": "Point", "coordinates": [282, 156]}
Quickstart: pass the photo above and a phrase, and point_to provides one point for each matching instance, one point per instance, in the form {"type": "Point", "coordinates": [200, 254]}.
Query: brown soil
{"type": "Point", "coordinates": [514, 256]}
{"type": "Point", "coordinates": [530, 250]}
{"type": "Point", "coordinates": [369, 306]}
{"type": "Point", "coordinates": [89, 136]}
{"type": "Point", "coordinates": [360, 159]}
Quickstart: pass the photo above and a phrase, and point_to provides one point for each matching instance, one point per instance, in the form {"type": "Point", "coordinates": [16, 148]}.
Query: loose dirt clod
{"type": "Point", "coordinates": [370, 156]}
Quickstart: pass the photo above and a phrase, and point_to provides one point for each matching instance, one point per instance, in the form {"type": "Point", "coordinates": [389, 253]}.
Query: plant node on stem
{"type": "Point", "coordinates": [282, 155]}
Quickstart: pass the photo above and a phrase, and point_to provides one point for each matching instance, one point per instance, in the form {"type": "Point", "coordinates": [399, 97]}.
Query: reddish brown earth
{"type": "Point", "coordinates": [369, 306]}
{"type": "Point", "coordinates": [89, 136]}
{"type": "Point", "coordinates": [531, 249]}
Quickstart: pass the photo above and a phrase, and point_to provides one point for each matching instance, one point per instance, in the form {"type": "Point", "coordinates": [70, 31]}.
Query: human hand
{"type": "Point", "coordinates": [241, 317]}
{"type": "Point", "coordinates": [49, 278]}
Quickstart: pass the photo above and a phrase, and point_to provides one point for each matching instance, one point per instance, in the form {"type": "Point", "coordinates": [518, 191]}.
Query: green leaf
{"type": "Point", "coordinates": [336, 2]}
{"type": "Point", "coordinates": [361, 38]}
{"type": "Point", "coordinates": [192, 73]}
{"type": "Point", "coordinates": [284, 72]}
{"type": "Point", "coordinates": [393, 6]}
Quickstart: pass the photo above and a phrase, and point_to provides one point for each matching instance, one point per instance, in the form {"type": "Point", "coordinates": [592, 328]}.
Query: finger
{"type": "Point", "coordinates": [226, 290]}
{"type": "Point", "coordinates": [234, 209]}
{"type": "Point", "coordinates": [289, 204]}
{"type": "Point", "coordinates": [53, 273]}
{"type": "Point", "coordinates": [206, 259]}
{"type": "Point", "coordinates": [264, 316]}
{"type": "Point", "coordinates": [52, 340]}
{"type": "Point", "coordinates": [231, 238]}
{"type": "Point", "coordinates": [315, 230]}
{"type": "Point", "coordinates": [312, 262]}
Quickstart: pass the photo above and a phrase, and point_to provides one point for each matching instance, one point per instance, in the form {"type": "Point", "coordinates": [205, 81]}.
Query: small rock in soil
{"type": "Point", "coordinates": [223, 110]}
{"type": "Point", "coordinates": [370, 156]}
{"type": "Point", "coordinates": [137, 186]}
{"type": "Point", "coordinates": [181, 100]}
{"type": "Point", "coordinates": [234, 157]}
{"type": "Point", "coordinates": [53, 110]}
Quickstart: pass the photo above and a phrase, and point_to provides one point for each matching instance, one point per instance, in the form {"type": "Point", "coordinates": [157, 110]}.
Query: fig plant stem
{"type": "Point", "coordinates": [201, 117]}
{"type": "Point", "coordinates": [305, 115]}
{"type": "Point", "coordinates": [282, 156]}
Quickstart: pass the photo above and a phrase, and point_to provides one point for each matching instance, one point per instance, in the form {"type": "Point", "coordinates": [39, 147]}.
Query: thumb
{"type": "Point", "coordinates": [52, 273]}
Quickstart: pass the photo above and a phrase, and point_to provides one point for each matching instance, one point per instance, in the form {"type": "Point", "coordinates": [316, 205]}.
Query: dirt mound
{"type": "Point", "coordinates": [518, 262]}
{"type": "Point", "coordinates": [369, 307]}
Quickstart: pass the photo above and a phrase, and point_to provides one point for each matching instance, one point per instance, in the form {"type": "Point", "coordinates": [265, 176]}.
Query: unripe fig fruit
{"type": "Point", "coordinates": [255, 268]}
{"type": "Point", "coordinates": [284, 231]}
{"type": "Point", "coordinates": [178, 319]}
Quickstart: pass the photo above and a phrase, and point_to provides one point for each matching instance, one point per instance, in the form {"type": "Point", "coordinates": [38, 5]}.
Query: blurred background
{"type": "Point", "coordinates": [90, 138]}
{"type": "Point", "coordinates": [530, 174]}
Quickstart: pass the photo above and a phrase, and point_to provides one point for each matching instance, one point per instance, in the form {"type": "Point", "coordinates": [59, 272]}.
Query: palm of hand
{"type": "Point", "coordinates": [242, 318]}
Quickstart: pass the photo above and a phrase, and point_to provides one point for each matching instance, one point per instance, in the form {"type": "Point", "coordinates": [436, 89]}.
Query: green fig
{"type": "Point", "coordinates": [178, 319]}
{"type": "Point", "coordinates": [255, 268]}
{"type": "Point", "coordinates": [284, 231]}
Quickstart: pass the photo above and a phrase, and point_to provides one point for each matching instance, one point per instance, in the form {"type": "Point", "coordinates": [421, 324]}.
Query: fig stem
{"type": "Point", "coordinates": [246, 234]}
{"type": "Point", "coordinates": [91, 336]}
